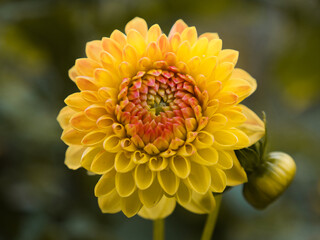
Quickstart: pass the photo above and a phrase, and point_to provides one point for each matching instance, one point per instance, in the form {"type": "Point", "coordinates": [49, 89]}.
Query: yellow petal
{"type": "Point", "coordinates": [143, 176]}
{"type": "Point", "coordinates": [206, 156]}
{"type": "Point", "coordinates": [123, 162]}
{"type": "Point", "coordinates": [180, 166]}
{"type": "Point", "coordinates": [210, 36]}
{"type": "Point", "coordinates": [242, 88]}
{"type": "Point", "coordinates": [239, 73]}
{"type": "Point", "coordinates": [228, 55]}
{"type": "Point", "coordinates": [93, 50]}
{"type": "Point", "coordinates": [112, 144]}
{"type": "Point", "coordinates": [218, 179]}
{"type": "Point", "coordinates": [73, 73]}
{"type": "Point", "coordinates": [130, 54]}
{"type": "Point", "coordinates": [64, 116]}
{"type": "Point", "coordinates": [89, 155]}
{"type": "Point", "coordinates": [178, 27]}
{"type": "Point", "coordinates": [199, 179]}
{"type": "Point", "coordinates": [223, 71]}
{"type": "Point", "coordinates": [125, 184]}
{"type": "Point", "coordinates": [164, 45]}
{"type": "Point", "coordinates": [137, 24]}
{"type": "Point", "coordinates": [105, 78]}
{"type": "Point", "coordinates": [175, 41]}
{"type": "Point", "coordinates": [225, 139]}
{"type": "Point", "coordinates": [208, 65]}
{"type": "Point", "coordinates": [183, 194]}
{"type": "Point", "coordinates": [201, 203]}
{"type": "Point", "coordinates": [110, 203]}
{"type": "Point", "coordinates": [214, 47]}
{"type": "Point", "coordinates": [80, 122]}
{"type": "Point", "coordinates": [136, 40]}
{"type": "Point", "coordinates": [73, 157]}
{"type": "Point", "coordinates": [112, 47]}
{"type": "Point", "coordinates": [105, 185]}
{"type": "Point", "coordinates": [72, 136]}
{"type": "Point", "coordinates": [217, 122]}
{"type": "Point", "coordinates": [254, 128]}
{"type": "Point", "coordinates": [95, 111]}
{"type": "Point", "coordinates": [158, 163]}
{"type": "Point", "coordinates": [225, 160]}
{"type": "Point", "coordinates": [184, 51]}
{"type": "Point", "coordinates": [153, 51]}
{"type": "Point", "coordinates": [187, 150]}
{"type": "Point", "coordinates": [234, 117]}
{"type": "Point", "coordinates": [152, 195]}
{"type": "Point", "coordinates": [103, 162]}
{"type": "Point", "coordinates": [189, 34]}
{"type": "Point", "coordinates": [200, 47]}
{"type": "Point", "coordinates": [203, 140]}
{"type": "Point", "coordinates": [90, 96]}
{"type": "Point", "coordinates": [139, 157]}
{"type": "Point", "coordinates": [236, 175]}
{"type": "Point", "coordinates": [211, 108]}
{"type": "Point", "coordinates": [131, 205]}
{"type": "Point", "coordinates": [243, 139]}
{"type": "Point", "coordinates": [76, 102]}
{"type": "Point", "coordinates": [119, 37]}
{"type": "Point", "coordinates": [86, 66]}
{"type": "Point", "coordinates": [154, 33]}
{"type": "Point", "coordinates": [168, 181]}
{"type": "Point", "coordinates": [93, 138]}
{"type": "Point", "coordinates": [162, 210]}
{"type": "Point", "coordinates": [105, 121]}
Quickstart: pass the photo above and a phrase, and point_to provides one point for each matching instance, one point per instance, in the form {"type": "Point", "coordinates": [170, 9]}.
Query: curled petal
{"type": "Point", "coordinates": [180, 166]}
{"type": "Point", "coordinates": [206, 156]}
{"type": "Point", "coordinates": [80, 122]}
{"type": "Point", "coordinates": [103, 162]}
{"type": "Point", "coordinates": [88, 156]}
{"type": "Point", "coordinates": [204, 140]}
{"type": "Point", "coordinates": [163, 209]}
{"type": "Point", "coordinates": [64, 116]}
{"type": "Point", "coordinates": [183, 194]}
{"type": "Point", "coordinates": [105, 185]}
{"type": "Point", "coordinates": [218, 179]}
{"type": "Point", "coordinates": [76, 102]}
{"type": "Point", "coordinates": [93, 138]}
{"type": "Point", "coordinates": [225, 159]}
{"type": "Point", "coordinates": [125, 184]}
{"type": "Point", "coordinates": [236, 175]}
{"type": "Point", "coordinates": [143, 176]}
{"type": "Point", "coordinates": [131, 205]}
{"type": "Point", "coordinates": [151, 195]}
{"type": "Point", "coordinates": [72, 136]}
{"type": "Point", "coordinates": [199, 179]}
{"type": "Point", "coordinates": [73, 157]}
{"type": "Point", "coordinates": [201, 203]}
{"type": "Point", "coordinates": [168, 181]}
{"type": "Point", "coordinates": [158, 163]}
{"type": "Point", "coordinates": [110, 203]}
{"type": "Point", "coordinates": [225, 139]}
{"type": "Point", "coordinates": [123, 162]}
{"type": "Point", "coordinates": [254, 128]}
{"type": "Point", "coordinates": [112, 144]}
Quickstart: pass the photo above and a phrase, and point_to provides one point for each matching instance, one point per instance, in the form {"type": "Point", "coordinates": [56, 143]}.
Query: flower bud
{"type": "Point", "coordinates": [269, 182]}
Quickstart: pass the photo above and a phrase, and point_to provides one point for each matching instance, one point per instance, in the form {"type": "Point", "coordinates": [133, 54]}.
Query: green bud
{"type": "Point", "coordinates": [270, 180]}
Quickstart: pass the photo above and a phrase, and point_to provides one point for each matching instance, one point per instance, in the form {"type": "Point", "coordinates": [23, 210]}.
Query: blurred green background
{"type": "Point", "coordinates": [279, 44]}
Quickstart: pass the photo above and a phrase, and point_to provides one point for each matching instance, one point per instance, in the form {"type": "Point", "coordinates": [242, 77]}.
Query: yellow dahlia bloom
{"type": "Point", "coordinates": [159, 118]}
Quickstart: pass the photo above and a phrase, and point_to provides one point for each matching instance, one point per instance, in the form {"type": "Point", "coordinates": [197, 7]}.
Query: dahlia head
{"type": "Point", "coordinates": [159, 118]}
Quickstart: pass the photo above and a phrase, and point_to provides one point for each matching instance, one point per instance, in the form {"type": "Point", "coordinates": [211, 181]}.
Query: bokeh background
{"type": "Point", "coordinates": [40, 198]}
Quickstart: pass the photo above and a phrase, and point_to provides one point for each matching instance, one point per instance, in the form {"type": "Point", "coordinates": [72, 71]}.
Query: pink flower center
{"type": "Point", "coordinates": [159, 107]}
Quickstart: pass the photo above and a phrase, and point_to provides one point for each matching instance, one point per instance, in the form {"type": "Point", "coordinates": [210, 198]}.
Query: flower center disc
{"type": "Point", "coordinates": [158, 109]}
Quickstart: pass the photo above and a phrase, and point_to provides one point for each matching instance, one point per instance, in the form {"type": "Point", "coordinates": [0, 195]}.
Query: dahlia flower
{"type": "Point", "coordinates": [159, 118]}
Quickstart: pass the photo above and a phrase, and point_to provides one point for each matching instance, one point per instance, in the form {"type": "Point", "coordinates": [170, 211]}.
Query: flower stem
{"type": "Point", "coordinates": [158, 229]}
{"type": "Point", "coordinates": [211, 220]}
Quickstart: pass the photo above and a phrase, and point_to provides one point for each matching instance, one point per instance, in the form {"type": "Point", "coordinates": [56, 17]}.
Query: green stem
{"type": "Point", "coordinates": [211, 220]}
{"type": "Point", "coordinates": [158, 229]}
